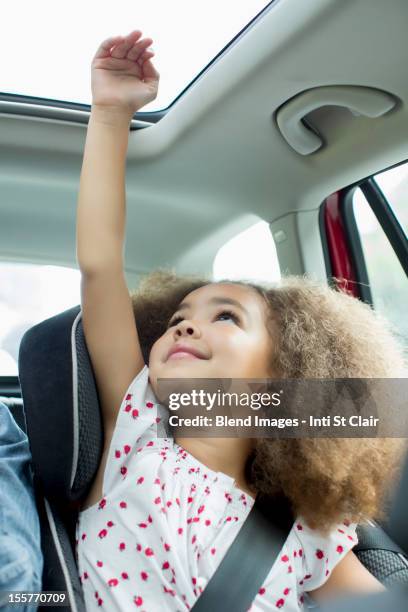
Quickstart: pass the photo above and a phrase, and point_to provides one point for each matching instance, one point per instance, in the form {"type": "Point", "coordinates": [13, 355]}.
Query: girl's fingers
{"type": "Point", "coordinates": [149, 71]}
{"type": "Point", "coordinates": [121, 50]}
{"type": "Point", "coordinates": [136, 51]}
{"type": "Point", "coordinates": [105, 47]}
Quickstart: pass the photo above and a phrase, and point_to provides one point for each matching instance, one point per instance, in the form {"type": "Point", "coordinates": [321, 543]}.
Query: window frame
{"type": "Point", "coordinates": [341, 238]}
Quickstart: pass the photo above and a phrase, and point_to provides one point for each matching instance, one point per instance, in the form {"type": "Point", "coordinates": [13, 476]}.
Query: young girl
{"type": "Point", "coordinates": [162, 513]}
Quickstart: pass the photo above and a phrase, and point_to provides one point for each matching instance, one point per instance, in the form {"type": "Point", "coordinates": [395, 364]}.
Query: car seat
{"type": "Point", "coordinates": [65, 432]}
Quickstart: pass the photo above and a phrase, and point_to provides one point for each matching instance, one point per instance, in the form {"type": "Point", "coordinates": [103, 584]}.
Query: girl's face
{"type": "Point", "coordinates": [225, 325]}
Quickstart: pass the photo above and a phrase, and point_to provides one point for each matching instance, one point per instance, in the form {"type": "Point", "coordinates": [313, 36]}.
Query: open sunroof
{"type": "Point", "coordinates": [47, 47]}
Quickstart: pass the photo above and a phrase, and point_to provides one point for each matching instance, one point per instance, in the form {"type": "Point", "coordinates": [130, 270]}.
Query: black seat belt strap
{"type": "Point", "coordinates": [238, 578]}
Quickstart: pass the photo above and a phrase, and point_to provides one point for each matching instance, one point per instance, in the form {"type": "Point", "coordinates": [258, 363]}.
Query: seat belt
{"type": "Point", "coordinates": [241, 573]}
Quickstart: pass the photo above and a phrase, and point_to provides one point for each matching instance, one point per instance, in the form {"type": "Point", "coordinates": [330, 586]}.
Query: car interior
{"type": "Point", "coordinates": [297, 130]}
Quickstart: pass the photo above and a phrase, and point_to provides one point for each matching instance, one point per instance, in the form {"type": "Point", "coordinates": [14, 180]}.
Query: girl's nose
{"type": "Point", "coordinates": [186, 328]}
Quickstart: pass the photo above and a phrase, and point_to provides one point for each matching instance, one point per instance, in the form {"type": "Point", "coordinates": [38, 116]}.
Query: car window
{"type": "Point", "coordinates": [387, 279]}
{"type": "Point", "coordinates": [394, 185]}
{"type": "Point", "coordinates": [250, 255]}
{"type": "Point", "coordinates": [28, 295]}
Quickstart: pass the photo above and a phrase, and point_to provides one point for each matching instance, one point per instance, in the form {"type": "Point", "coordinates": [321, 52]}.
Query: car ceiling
{"type": "Point", "coordinates": [216, 162]}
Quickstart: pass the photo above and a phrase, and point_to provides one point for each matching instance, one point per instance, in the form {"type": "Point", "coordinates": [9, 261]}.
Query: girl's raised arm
{"type": "Point", "coordinates": [123, 80]}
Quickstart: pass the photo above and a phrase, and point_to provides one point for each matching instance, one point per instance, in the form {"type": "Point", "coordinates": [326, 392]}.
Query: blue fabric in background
{"type": "Point", "coordinates": [21, 560]}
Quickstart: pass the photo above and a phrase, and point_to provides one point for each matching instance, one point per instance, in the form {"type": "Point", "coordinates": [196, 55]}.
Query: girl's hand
{"type": "Point", "coordinates": [122, 76]}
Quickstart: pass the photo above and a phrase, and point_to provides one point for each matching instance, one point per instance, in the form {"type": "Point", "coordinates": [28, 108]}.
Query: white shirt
{"type": "Point", "coordinates": [166, 520]}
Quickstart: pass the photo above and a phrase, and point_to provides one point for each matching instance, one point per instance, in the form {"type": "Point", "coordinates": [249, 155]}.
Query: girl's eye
{"type": "Point", "coordinates": [174, 321]}
{"type": "Point", "coordinates": [228, 313]}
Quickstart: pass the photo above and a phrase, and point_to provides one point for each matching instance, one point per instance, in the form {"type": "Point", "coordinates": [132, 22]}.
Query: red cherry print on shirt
{"type": "Point", "coordinates": [122, 546]}
{"type": "Point", "coordinates": [170, 591]}
{"type": "Point", "coordinates": [284, 558]}
{"type": "Point", "coordinates": [135, 413]}
{"type": "Point", "coordinates": [117, 454]}
{"type": "Point", "coordinates": [280, 602]}
{"type": "Point", "coordinates": [142, 525]}
{"type": "Point", "coordinates": [158, 419]}
{"type": "Point", "coordinates": [290, 570]}
{"type": "Point", "coordinates": [300, 552]}
{"type": "Point", "coordinates": [207, 522]}
{"type": "Point", "coordinates": [149, 552]}
{"type": "Point", "coordinates": [110, 524]}
{"type": "Point", "coordinates": [126, 449]}
{"type": "Point", "coordinates": [138, 600]}
{"type": "Point", "coordinates": [157, 500]}
{"type": "Point", "coordinates": [138, 547]}
{"type": "Point", "coordinates": [166, 565]}
{"type": "Point", "coordinates": [123, 470]}
{"type": "Point", "coordinates": [128, 408]}
{"type": "Point", "coordinates": [113, 582]}
{"type": "Point", "coordinates": [194, 580]}
{"type": "Point", "coordinates": [102, 503]}
{"type": "Point", "coordinates": [85, 575]}
{"type": "Point", "coordinates": [339, 549]}
{"type": "Point", "coordinates": [149, 518]}
{"type": "Point", "coordinates": [99, 563]}
{"type": "Point", "coordinates": [189, 499]}
{"type": "Point", "coordinates": [213, 551]}
{"type": "Point", "coordinates": [299, 526]}
{"type": "Point", "coordinates": [166, 546]}
{"type": "Point", "coordinates": [150, 443]}
{"type": "Point", "coordinates": [341, 530]}
{"type": "Point", "coordinates": [123, 504]}
{"type": "Point", "coordinates": [129, 396]}
{"type": "Point", "coordinates": [83, 536]}
{"type": "Point", "coordinates": [124, 576]}
{"type": "Point", "coordinates": [200, 510]}
{"type": "Point", "coordinates": [327, 572]}
{"type": "Point", "coordinates": [261, 591]}
{"type": "Point", "coordinates": [140, 480]}
{"type": "Point", "coordinates": [144, 575]}
{"type": "Point", "coordinates": [307, 576]}
{"type": "Point", "coordinates": [157, 481]}
{"type": "Point", "coordinates": [168, 504]}
{"type": "Point", "coordinates": [286, 591]}
{"type": "Point", "coordinates": [103, 533]}
{"type": "Point", "coordinates": [149, 404]}
{"type": "Point", "coordinates": [100, 601]}
{"type": "Point", "coordinates": [319, 554]}
{"type": "Point", "coordinates": [180, 530]}
{"type": "Point", "coordinates": [194, 539]}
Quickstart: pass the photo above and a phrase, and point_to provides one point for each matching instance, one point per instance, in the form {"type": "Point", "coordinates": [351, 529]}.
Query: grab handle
{"type": "Point", "coordinates": [359, 100]}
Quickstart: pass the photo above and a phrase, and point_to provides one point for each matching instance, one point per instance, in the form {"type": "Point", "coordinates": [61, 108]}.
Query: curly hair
{"type": "Point", "coordinates": [317, 332]}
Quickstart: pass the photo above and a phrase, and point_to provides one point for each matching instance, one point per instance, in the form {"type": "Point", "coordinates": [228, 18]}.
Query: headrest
{"type": "Point", "coordinates": [64, 424]}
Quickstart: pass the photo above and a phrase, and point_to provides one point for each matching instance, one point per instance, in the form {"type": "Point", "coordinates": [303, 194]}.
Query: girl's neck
{"type": "Point", "coordinates": [227, 455]}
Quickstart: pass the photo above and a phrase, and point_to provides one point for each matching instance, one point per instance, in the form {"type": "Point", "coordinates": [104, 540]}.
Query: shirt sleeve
{"type": "Point", "coordinates": [21, 559]}
{"type": "Point", "coordinates": [137, 424]}
{"type": "Point", "coordinates": [318, 555]}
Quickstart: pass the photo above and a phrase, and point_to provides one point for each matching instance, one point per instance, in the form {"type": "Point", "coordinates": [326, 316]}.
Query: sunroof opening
{"type": "Point", "coordinates": [47, 47]}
